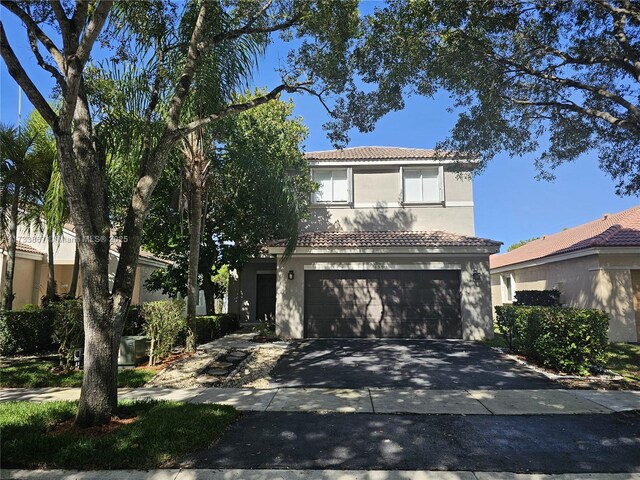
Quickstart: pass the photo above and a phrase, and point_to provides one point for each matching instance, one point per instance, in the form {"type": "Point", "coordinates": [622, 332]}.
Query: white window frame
{"type": "Point", "coordinates": [440, 175]}
{"type": "Point", "coordinates": [349, 200]}
{"type": "Point", "coordinates": [506, 298]}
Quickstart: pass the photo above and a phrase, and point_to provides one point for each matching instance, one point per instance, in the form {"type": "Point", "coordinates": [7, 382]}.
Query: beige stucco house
{"type": "Point", "coordinates": [31, 268]}
{"type": "Point", "coordinates": [595, 265]}
{"type": "Point", "coordinates": [389, 251]}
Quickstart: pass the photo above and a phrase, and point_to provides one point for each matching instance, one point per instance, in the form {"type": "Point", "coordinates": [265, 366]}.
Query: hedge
{"type": "Point", "coordinates": [210, 327]}
{"type": "Point", "coordinates": [565, 339]}
{"type": "Point", "coordinates": [34, 329]}
{"type": "Point", "coordinates": [540, 298]}
{"type": "Point", "coordinates": [26, 331]}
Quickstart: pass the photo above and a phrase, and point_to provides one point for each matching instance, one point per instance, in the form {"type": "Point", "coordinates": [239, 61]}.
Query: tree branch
{"type": "Point", "coordinates": [17, 71]}
{"type": "Point", "coordinates": [237, 108]}
{"type": "Point", "coordinates": [182, 88]}
{"type": "Point", "coordinates": [63, 23]}
{"type": "Point", "coordinates": [600, 91]}
{"type": "Point", "coordinates": [592, 112]}
{"type": "Point", "coordinates": [55, 73]}
{"type": "Point", "coordinates": [33, 27]}
{"type": "Point", "coordinates": [248, 29]}
{"type": "Point", "coordinates": [620, 11]}
{"type": "Point", "coordinates": [92, 31]}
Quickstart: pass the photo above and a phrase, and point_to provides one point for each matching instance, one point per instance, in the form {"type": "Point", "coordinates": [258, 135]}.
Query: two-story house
{"type": "Point", "coordinates": [389, 251]}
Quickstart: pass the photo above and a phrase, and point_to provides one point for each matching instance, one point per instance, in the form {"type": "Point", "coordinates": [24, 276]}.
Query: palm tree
{"type": "Point", "coordinates": [221, 75]}
{"type": "Point", "coordinates": [22, 168]}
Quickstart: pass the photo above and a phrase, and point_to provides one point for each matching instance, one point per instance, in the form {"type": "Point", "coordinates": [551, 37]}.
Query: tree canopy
{"type": "Point", "coordinates": [259, 190]}
{"type": "Point", "coordinates": [521, 72]}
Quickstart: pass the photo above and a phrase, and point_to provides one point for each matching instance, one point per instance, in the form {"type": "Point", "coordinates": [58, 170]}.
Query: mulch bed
{"type": "Point", "coordinates": [68, 427]}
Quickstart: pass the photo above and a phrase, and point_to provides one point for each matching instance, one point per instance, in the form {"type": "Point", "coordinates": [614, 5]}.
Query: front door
{"type": "Point", "coordinates": [265, 295]}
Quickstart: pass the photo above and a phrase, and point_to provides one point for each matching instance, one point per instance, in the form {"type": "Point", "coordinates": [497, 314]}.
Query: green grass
{"type": "Point", "coordinates": [162, 433]}
{"type": "Point", "coordinates": [497, 341]}
{"type": "Point", "coordinates": [37, 373]}
{"type": "Point", "coordinates": [624, 358]}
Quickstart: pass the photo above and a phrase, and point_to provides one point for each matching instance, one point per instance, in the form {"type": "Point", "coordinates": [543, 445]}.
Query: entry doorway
{"type": "Point", "coordinates": [265, 295]}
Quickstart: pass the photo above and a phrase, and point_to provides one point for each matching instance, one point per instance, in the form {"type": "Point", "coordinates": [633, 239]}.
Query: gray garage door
{"type": "Point", "coordinates": [386, 304]}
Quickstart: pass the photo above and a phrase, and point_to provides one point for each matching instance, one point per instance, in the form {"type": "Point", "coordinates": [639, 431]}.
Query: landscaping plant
{"type": "Point", "coordinates": [565, 339]}
{"type": "Point", "coordinates": [68, 329]}
{"type": "Point", "coordinates": [163, 323]}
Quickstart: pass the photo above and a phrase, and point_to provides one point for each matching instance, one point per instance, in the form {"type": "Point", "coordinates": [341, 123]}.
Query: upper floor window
{"type": "Point", "coordinates": [334, 185]}
{"type": "Point", "coordinates": [421, 185]}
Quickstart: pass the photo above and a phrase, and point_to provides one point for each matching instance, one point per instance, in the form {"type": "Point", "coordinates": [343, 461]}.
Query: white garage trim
{"type": "Point", "coordinates": [382, 266]}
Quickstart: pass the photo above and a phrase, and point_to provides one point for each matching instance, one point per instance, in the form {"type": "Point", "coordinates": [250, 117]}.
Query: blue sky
{"type": "Point", "coordinates": [510, 204]}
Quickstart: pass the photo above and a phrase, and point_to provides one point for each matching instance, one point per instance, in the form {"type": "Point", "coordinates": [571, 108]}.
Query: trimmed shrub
{"type": "Point", "coordinates": [163, 324]}
{"type": "Point", "coordinates": [540, 298]}
{"type": "Point", "coordinates": [565, 339]}
{"type": "Point", "coordinates": [210, 327]}
{"type": "Point", "coordinates": [68, 328]}
{"type": "Point", "coordinates": [134, 323]}
{"type": "Point", "coordinates": [26, 331]}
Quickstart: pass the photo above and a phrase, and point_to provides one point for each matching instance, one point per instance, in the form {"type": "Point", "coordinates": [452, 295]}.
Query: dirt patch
{"type": "Point", "coordinates": [599, 384]}
{"type": "Point", "coordinates": [606, 381]}
{"type": "Point", "coordinates": [68, 427]}
{"type": "Point", "coordinates": [254, 371]}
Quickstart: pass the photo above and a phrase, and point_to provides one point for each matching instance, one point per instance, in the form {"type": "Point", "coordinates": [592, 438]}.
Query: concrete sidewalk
{"type": "Point", "coordinates": [384, 401]}
{"type": "Point", "coordinates": [239, 474]}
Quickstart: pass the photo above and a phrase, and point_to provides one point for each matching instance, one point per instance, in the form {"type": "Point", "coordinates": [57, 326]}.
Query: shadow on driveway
{"type": "Point", "coordinates": [421, 364]}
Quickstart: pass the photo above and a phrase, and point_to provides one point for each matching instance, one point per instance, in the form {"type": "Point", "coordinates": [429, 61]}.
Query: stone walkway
{"type": "Point", "coordinates": [239, 474]}
{"type": "Point", "coordinates": [369, 400]}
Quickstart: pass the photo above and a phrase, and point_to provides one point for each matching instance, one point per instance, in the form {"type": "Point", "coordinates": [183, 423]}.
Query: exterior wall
{"type": "Point", "coordinates": [596, 281]}
{"type": "Point", "coordinates": [25, 283]}
{"type": "Point", "coordinates": [477, 322]}
{"type": "Point", "coordinates": [144, 295]}
{"type": "Point", "coordinates": [377, 205]}
{"type": "Point", "coordinates": [242, 288]}
{"type": "Point", "coordinates": [383, 217]}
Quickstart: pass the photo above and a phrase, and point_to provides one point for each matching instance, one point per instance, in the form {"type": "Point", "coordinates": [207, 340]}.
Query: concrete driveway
{"type": "Point", "coordinates": [420, 364]}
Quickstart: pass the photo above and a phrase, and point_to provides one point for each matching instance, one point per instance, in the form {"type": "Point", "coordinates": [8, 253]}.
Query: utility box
{"type": "Point", "coordinates": [133, 350]}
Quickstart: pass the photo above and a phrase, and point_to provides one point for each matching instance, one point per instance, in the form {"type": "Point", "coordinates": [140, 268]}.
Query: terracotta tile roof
{"type": "Point", "coordinates": [369, 239]}
{"type": "Point", "coordinates": [371, 153]}
{"type": "Point", "coordinates": [22, 247]}
{"type": "Point", "coordinates": [617, 230]}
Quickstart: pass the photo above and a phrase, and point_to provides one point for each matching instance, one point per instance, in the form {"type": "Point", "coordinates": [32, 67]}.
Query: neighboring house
{"type": "Point", "coordinates": [32, 271]}
{"type": "Point", "coordinates": [595, 265]}
{"type": "Point", "coordinates": [389, 251]}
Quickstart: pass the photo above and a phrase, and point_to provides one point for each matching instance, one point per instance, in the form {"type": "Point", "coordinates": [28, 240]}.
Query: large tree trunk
{"type": "Point", "coordinates": [51, 282]}
{"type": "Point", "coordinates": [74, 275]}
{"type": "Point", "coordinates": [99, 394]}
{"type": "Point", "coordinates": [195, 231]}
{"type": "Point", "coordinates": [12, 232]}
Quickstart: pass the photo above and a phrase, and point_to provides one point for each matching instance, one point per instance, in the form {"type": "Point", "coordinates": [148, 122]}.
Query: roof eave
{"type": "Point", "coordinates": [559, 257]}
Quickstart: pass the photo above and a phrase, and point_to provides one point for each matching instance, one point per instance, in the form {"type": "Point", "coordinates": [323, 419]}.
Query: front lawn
{"type": "Point", "coordinates": [148, 435]}
{"type": "Point", "coordinates": [624, 358]}
{"type": "Point", "coordinates": [38, 373]}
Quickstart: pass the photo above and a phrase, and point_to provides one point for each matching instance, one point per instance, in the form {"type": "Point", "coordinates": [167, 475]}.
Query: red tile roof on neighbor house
{"type": "Point", "coordinates": [611, 230]}
{"type": "Point", "coordinates": [369, 239]}
{"type": "Point", "coordinates": [371, 153]}
{"type": "Point", "coordinates": [21, 247]}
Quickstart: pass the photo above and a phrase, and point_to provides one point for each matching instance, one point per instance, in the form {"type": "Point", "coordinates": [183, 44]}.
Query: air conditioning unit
{"type": "Point", "coordinates": [133, 350]}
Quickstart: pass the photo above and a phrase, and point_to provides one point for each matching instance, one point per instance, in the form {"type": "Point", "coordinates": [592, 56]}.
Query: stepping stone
{"type": "Point", "coordinates": [217, 371]}
{"type": "Point", "coordinates": [220, 365]}
{"type": "Point", "coordinates": [204, 379]}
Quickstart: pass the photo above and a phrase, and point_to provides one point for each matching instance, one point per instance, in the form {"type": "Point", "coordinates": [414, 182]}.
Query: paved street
{"type": "Point", "coordinates": [532, 443]}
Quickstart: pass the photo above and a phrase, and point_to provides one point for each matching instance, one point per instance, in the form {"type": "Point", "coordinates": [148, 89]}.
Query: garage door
{"type": "Point", "coordinates": [386, 304]}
